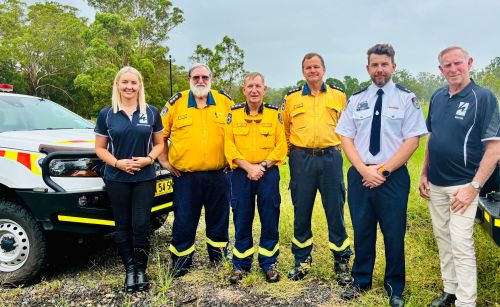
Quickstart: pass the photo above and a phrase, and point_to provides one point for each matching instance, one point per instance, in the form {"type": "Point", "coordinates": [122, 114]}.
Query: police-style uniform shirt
{"type": "Point", "coordinates": [255, 138]}
{"type": "Point", "coordinates": [196, 135]}
{"type": "Point", "coordinates": [310, 120]}
{"type": "Point", "coordinates": [401, 119]}
{"type": "Point", "coordinates": [127, 138]}
{"type": "Point", "coordinates": [459, 125]}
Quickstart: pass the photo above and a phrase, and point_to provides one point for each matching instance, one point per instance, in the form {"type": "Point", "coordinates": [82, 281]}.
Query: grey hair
{"type": "Point", "coordinates": [451, 48]}
{"type": "Point", "coordinates": [196, 65]}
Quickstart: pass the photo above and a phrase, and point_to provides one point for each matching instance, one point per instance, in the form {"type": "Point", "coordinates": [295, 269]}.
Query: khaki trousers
{"type": "Point", "coordinates": [453, 233]}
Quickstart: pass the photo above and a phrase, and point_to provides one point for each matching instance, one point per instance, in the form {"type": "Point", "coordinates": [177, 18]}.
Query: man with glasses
{"type": "Point", "coordinates": [194, 122]}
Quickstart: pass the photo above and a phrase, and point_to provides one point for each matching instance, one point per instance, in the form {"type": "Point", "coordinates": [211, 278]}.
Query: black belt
{"type": "Point", "coordinates": [317, 151]}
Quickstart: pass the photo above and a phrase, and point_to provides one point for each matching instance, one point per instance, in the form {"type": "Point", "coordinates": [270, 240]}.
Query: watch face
{"type": "Point", "coordinates": [476, 185]}
{"type": "Point", "coordinates": [386, 173]}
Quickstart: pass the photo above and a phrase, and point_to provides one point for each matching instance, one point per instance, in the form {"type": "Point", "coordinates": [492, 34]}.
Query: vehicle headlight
{"type": "Point", "coordinates": [83, 167]}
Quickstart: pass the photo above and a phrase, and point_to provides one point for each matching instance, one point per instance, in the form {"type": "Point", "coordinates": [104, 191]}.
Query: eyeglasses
{"type": "Point", "coordinates": [204, 78]}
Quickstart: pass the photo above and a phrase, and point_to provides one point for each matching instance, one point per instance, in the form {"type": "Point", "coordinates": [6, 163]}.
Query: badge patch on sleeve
{"type": "Point", "coordinates": [415, 102]}
{"type": "Point", "coordinates": [164, 111]}
{"type": "Point", "coordinates": [229, 118]}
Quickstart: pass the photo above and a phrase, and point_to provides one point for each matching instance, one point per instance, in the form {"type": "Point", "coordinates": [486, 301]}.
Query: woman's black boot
{"type": "Point", "coordinates": [141, 257]}
{"type": "Point", "coordinates": [130, 267]}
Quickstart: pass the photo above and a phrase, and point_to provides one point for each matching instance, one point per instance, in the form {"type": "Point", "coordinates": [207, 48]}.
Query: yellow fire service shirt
{"type": "Point", "coordinates": [196, 135]}
{"type": "Point", "coordinates": [255, 138]}
{"type": "Point", "coordinates": [310, 120]}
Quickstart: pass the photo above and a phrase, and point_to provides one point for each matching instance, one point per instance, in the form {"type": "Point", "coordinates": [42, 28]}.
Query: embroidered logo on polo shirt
{"type": "Point", "coordinates": [462, 109]}
{"type": "Point", "coordinates": [143, 119]}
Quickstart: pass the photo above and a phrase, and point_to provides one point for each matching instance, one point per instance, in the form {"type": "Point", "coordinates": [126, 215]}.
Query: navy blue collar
{"type": "Point", "coordinates": [465, 91]}
{"type": "Point", "coordinates": [247, 108]}
{"type": "Point", "coordinates": [192, 101]}
{"type": "Point", "coordinates": [307, 91]}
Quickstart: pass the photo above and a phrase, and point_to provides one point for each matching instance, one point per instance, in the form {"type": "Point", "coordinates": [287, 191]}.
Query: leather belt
{"type": "Point", "coordinates": [317, 151]}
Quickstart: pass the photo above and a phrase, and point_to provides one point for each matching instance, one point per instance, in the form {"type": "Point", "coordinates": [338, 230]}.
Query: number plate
{"type": "Point", "coordinates": [164, 187]}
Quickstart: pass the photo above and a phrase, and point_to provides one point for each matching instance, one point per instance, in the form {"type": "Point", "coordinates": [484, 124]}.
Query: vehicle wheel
{"type": "Point", "coordinates": [22, 245]}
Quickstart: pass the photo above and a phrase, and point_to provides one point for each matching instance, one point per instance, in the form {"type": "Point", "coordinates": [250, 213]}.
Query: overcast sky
{"type": "Point", "coordinates": [275, 34]}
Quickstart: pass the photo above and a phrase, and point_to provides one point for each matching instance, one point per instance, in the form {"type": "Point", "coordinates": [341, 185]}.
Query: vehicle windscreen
{"type": "Point", "coordinates": [20, 113]}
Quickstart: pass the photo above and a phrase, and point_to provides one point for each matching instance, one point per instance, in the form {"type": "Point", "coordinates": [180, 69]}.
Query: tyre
{"type": "Point", "coordinates": [23, 245]}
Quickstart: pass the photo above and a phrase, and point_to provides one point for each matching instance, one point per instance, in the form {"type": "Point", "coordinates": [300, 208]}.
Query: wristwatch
{"type": "Point", "coordinates": [386, 173]}
{"type": "Point", "coordinates": [263, 164]}
{"type": "Point", "coordinates": [476, 185]}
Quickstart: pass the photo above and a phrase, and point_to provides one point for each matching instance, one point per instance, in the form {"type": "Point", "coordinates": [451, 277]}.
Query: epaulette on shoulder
{"type": "Point", "coordinates": [271, 106]}
{"type": "Point", "coordinates": [404, 89]}
{"type": "Point", "coordinates": [360, 91]}
{"type": "Point", "coordinates": [293, 90]}
{"type": "Point", "coordinates": [174, 98]}
{"type": "Point", "coordinates": [333, 86]}
{"type": "Point", "coordinates": [225, 94]}
{"type": "Point", "coordinates": [238, 106]}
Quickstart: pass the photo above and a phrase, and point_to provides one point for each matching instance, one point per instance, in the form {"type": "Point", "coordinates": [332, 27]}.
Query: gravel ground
{"type": "Point", "coordinates": [90, 274]}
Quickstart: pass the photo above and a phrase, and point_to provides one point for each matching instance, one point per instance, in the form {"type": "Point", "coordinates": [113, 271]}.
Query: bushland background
{"type": "Point", "coordinates": [47, 50]}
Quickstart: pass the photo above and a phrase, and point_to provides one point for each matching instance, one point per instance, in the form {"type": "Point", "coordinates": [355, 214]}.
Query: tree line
{"type": "Point", "coordinates": [47, 50]}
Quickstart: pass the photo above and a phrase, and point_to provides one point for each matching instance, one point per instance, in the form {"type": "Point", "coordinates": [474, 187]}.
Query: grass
{"type": "Point", "coordinates": [422, 263]}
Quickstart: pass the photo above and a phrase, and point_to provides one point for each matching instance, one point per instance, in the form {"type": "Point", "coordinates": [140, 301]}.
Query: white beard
{"type": "Point", "coordinates": [199, 91]}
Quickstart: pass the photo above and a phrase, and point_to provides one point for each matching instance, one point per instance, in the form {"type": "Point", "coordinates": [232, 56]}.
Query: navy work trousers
{"type": "Point", "coordinates": [308, 173]}
{"type": "Point", "coordinates": [192, 191]}
{"type": "Point", "coordinates": [243, 194]}
{"type": "Point", "coordinates": [387, 206]}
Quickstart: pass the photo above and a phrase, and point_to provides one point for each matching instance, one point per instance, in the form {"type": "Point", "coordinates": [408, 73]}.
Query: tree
{"type": "Point", "coordinates": [42, 45]}
{"type": "Point", "coordinates": [152, 19]}
{"type": "Point", "coordinates": [489, 77]}
{"type": "Point", "coordinates": [226, 62]}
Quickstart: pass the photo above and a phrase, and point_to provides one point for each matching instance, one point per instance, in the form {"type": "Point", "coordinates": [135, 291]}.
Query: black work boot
{"type": "Point", "coordinates": [141, 255]}
{"type": "Point", "coordinates": [343, 273]}
{"type": "Point", "coordinates": [300, 270]}
{"type": "Point", "coordinates": [445, 300]}
{"type": "Point", "coordinates": [130, 267]}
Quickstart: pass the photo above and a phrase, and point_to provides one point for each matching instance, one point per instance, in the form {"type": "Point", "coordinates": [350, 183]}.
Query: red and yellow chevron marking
{"type": "Point", "coordinates": [27, 159]}
{"type": "Point", "coordinates": [75, 141]}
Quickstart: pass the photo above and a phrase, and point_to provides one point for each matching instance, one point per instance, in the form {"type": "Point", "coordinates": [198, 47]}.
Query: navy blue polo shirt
{"type": "Point", "coordinates": [459, 126]}
{"type": "Point", "coordinates": [129, 138]}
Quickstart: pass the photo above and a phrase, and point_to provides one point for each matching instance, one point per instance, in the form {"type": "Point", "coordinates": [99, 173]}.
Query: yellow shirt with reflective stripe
{"type": "Point", "coordinates": [255, 138]}
{"type": "Point", "coordinates": [310, 120]}
{"type": "Point", "coordinates": [196, 135]}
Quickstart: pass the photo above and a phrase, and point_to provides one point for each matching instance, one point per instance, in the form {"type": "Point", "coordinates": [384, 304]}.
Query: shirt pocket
{"type": "Point", "coordinates": [182, 124]}
{"type": "Point", "coordinates": [298, 117]}
{"type": "Point", "coordinates": [266, 135]}
{"type": "Point", "coordinates": [393, 120]}
{"type": "Point", "coordinates": [362, 117]}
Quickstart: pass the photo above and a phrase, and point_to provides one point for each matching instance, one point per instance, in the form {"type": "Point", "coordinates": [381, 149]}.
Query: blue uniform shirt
{"type": "Point", "coordinates": [129, 138]}
{"type": "Point", "coordinates": [401, 119]}
{"type": "Point", "coordinates": [459, 125]}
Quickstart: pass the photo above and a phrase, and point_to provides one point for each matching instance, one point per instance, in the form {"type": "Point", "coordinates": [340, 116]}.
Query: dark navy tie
{"type": "Point", "coordinates": [375, 133]}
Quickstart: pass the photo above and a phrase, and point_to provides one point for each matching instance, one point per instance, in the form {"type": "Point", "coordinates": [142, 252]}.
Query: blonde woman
{"type": "Point", "coordinates": [128, 139]}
